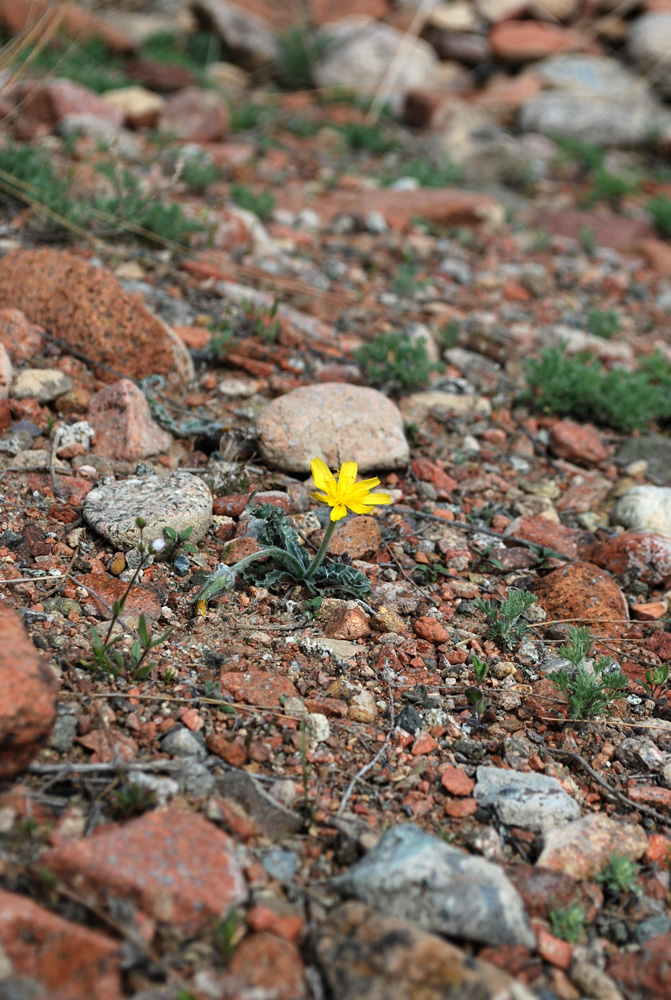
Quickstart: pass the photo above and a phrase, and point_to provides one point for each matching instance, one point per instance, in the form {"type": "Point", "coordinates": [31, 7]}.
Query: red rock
{"type": "Point", "coordinates": [347, 623]}
{"type": "Point", "coordinates": [79, 24]}
{"type": "Point", "coordinates": [196, 338]}
{"type": "Point", "coordinates": [610, 229]}
{"type": "Point", "coordinates": [659, 848]}
{"type": "Point", "coordinates": [177, 867]}
{"type": "Point", "coordinates": [649, 795]}
{"type": "Point", "coordinates": [257, 687]}
{"type": "Point", "coordinates": [429, 472]}
{"type": "Point", "coordinates": [109, 745]}
{"type": "Point", "coordinates": [542, 890]}
{"type": "Point", "coordinates": [526, 41]}
{"type": "Point", "coordinates": [651, 611]}
{"type": "Point", "coordinates": [569, 542]}
{"type": "Point", "coordinates": [163, 78]}
{"type": "Point", "coordinates": [584, 594]}
{"type": "Point", "coordinates": [195, 115]}
{"type": "Point", "coordinates": [124, 427]}
{"type": "Point", "coordinates": [21, 339]}
{"type": "Point", "coordinates": [48, 102]}
{"type": "Point", "coordinates": [581, 848]}
{"type": "Point", "coordinates": [551, 948]}
{"type": "Point", "coordinates": [86, 307]}
{"type": "Point", "coordinates": [261, 369]}
{"type": "Point", "coordinates": [660, 643]}
{"type": "Point", "coordinates": [424, 743]}
{"type": "Point", "coordinates": [646, 973]}
{"type": "Point", "coordinates": [324, 11]}
{"type": "Point", "coordinates": [577, 442]}
{"type": "Point", "coordinates": [456, 781]}
{"type": "Point", "coordinates": [431, 629]}
{"type": "Point", "coordinates": [233, 751]}
{"type": "Point", "coordinates": [356, 537]}
{"type": "Point", "coordinates": [268, 964]}
{"type": "Point", "coordinates": [657, 253]}
{"type": "Point", "coordinates": [232, 505]}
{"type": "Point", "coordinates": [60, 955]}
{"type": "Point", "coordinates": [140, 600]}
{"type": "Point", "coordinates": [239, 548]}
{"type": "Point", "coordinates": [443, 206]}
{"type": "Point", "coordinates": [460, 808]}
{"type": "Point", "coordinates": [646, 557]}
{"type": "Point", "coordinates": [28, 702]}
{"type": "Point", "coordinates": [509, 93]}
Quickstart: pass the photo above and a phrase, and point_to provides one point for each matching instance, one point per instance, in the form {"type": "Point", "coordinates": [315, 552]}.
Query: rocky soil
{"type": "Point", "coordinates": [339, 795]}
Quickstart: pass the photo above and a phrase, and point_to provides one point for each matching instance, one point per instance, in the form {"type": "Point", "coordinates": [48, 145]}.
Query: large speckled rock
{"type": "Point", "coordinates": [644, 508]}
{"type": "Point", "coordinates": [336, 422]}
{"type": "Point", "coordinates": [178, 501]}
{"type": "Point", "coordinates": [85, 306]}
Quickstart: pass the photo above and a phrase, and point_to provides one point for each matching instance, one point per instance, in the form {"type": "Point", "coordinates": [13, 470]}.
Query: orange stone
{"type": "Point", "coordinates": [456, 781]}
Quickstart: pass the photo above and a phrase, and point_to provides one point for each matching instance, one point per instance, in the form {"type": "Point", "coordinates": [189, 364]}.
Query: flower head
{"type": "Point", "coordinates": [344, 491]}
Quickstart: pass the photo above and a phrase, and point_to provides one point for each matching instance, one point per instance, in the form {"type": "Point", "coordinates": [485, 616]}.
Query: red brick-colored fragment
{"type": "Point", "coordinates": [444, 206]}
{"type": "Point", "coordinates": [124, 427]}
{"type": "Point", "coordinates": [551, 948]}
{"type": "Point", "coordinates": [195, 115]}
{"type": "Point", "coordinates": [584, 594]}
{"type": "Point", "coordinates": [431, 629]}
{"type": "Point", "coordinates": [424, 743]}
{"type": "Point", "coordinates": [577, 442]}
{"type": "Point", "coordinates": [232, 505]}
{"type": "Point", "coordinates": [269, 964]}
{"type": "Point", "coordinates": [660, 643]}
{"type": "Point", "coordinates": [347, 623]}
{"type": "Point", "coordinates": [257, 687]}
{"type": "Point", "coordinates": [357, 537]}
{"type": "Point", "coordinates": [28, 701]}
{"type": "Point", "coordinates": [177, 867]}
{"type": "Point", "coordinates": [526, 41]}
{"type": "Point", "coordinates": [73, 20]}
{"type": "Point", "coordinates": [659, 848]}
{"type": "Point", "coordinates": [21, 338]}
{"type": "Point", "coordinates": [429, 472]}
{"type": "Point", "coordinates": [649, 795]}
{"type": "Point", "coordinates": [646, 556]}
{"type": "Point", "coordinates": [60, 955]}
{"type": "Point", "coordinates": [140, 600]}
{"type": "Point", "coordinates": [456, 781]}
{"type": "Point", "coordinates": [86, 307]}
{"type": "Point", "coordinates": [460, 808]}
{"type": "Point", "coordinates": [569, 542]}
{"type": "Point", "coordinates": [646, 973]}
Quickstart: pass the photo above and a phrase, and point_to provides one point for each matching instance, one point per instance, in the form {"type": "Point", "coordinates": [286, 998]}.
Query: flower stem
{"type": "Point", "coordinates": [316, 562]}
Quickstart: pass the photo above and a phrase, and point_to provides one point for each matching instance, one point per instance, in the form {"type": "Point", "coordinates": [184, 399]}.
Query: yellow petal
{"type": "Point", "coordinates": [367, 484]}
{"type": "Point", "coordinates": [338, 511]}
{"type": "Point", "coordinates": [378, 498]}
{"type": "Point", "coordinates": [318, 496]}
{"type": "Point", "coordinates": [358, 506]}
{"type": "Point", "coordinates": [347, 475]}
{"type": "Point", "coordinates": [322, 475]}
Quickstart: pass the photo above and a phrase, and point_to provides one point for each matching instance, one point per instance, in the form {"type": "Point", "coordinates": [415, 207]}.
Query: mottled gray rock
{"type": "Point", "coordinates": [280, 864]}
{"type": "Point", "coordinates": [63, 734]}
{"type": "Point", "coordinates": [366, 955]}
{"type": "Point", "coordinates": [525, 798]}
{"type": "Point", "coordinates": [644, 508]}
{"type": "Point", "coordinates": [441, 405]}
{"type": "Point", "coordinates": [245, 34]}
{"type": "Point", "coordinates": [413, 875]}
{"type": "Point", "coordinates": [42, 384]}
{"type": "Point", "coordinates": [358, 53]}
{"type": "Point", "coordinates": [620, 122]}
{"type": "Point", "coordinates": [649, 46]}
{"type": "Point", "coordinates": [178, 500]}
{"type": "Point", "coordinates": [653, 449]}
{"type": "Point", "coordinates": [590, 76]}
{"type": "Point", "coordinates": [274, 820]}
{"type": "Point", "coordinates": [181, 742]}
{"type": "Point", "coordinates": [330, 420]}
{"type": "Point", "coordinates": [80, 432]}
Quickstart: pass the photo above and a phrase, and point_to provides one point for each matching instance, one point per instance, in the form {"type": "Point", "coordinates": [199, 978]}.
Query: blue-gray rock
{"type": "Point", "coordinates": [181, 742]}
{"type": "Point", "coordinates": [590, 76]}
{"type": "Point", "coordinates": [527, 799]}
{"type": "Point", "coordinates": [412, 875]}
{"type": "Point", "coordinates": [280, 864]}
{"type": "Point", "coordinates": [619, 122]}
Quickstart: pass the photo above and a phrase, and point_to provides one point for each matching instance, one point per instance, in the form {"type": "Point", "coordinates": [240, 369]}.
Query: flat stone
{"type": "Point", "coordinates": [356, 537]}
{"type": "Point", "coordinates": [6, 372]}
{"type": "Point", "coordinates": [246, 35]}
{"type": "Point", "coordinates": [178, 500]}
{"type": "Point", "coordinates": [85, 306]}
{"type": "Point", "coordinates": [329, 421]}
{"type": "Point", "coordinates": [615, 122]}
{"type": "Point", "coordinates": [419, 405]}
{"type": "Point", "coordinates": [653, 449]}
{"type": "Point", "coordinates": [570, 542]}
{"type": "Point", "coordinates": [58, 954]}
{"type": "Point", "coordinates": [347, 621]}
{"type": "Point", "coordinates": [42, 384]}
{"type": "Point", "coordinates": [527, 799]}
{"type": "Point", "coordinates": [140, 600]}
{"type": "Point", "coordinates": [648, 45]}
{"type": "Point", "coordinates": [265, 964]}
{"type": "Point", "coordinates": [578, 442]}
{"type": "Point", "coordinates": [444, 206]}
{"type": "Point", "coordinates": [644, 508]}
{"type": "Point", "coordinates": [591, 76]}
{"type": "Point", "coordinates": [140, 107]}
{"type": "Point", "coordinates": [21, 339]}
{"type": "Point", "coordinates": [580, 849]}
{"type": "Point", "coordinates": [365, 955]}
{"type": "Point", "coordinates": [609, 228]}
{"type": "Point", "coordinates": [645, 557]}
{"type": "Point", "coordinates": [123, 423]}
{"type": "Point", "coordinates": [586, 595]}
{"type": "Point", "coordinates": [176, 866]}
{"type": "Point", "coordinates": [417, 877]}
{"type": "Point", "coordinates": [257, 687]}
{"type": "Point", "coordinates": [195, 115]}
{"type": "Point", "coordinates": [28, 703]}
{"type": "Point", "coordinates": [526, 41]}
{"type": "Point", "coordinates": [273, 819]}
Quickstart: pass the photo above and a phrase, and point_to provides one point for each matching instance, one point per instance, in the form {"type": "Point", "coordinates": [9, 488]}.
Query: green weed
{"type": "Point", "coordinates": [88, 63]}
{"type": "Point", "coordinates": [262, 204]}
{"type": "Point", "coordinates": [619, 874]}
{"type": "Point", "coordinates": [427, 173]}
{"type": "Point", "coordinates": [567, 924]}
{"type": "Point", "coordinates": [588, 156]}
{"type": "Point", "coordinates": [589, 691]}
{"type": "Point", "coordinates": [611, 188]}
{"type": "Point", "coordinates": [199, 172]}
{"type": "Point", "coordinates": [581, 388]}
{"type": "Point", "coordinates": [394, 360]}
{"type": "Point", "coordinates": [376, 139]}
{"type": "Point", "coordinates": [655, 680]}
{"type": "Point", "coordinates": [475, 695]}
{"type": "Point", "coordinates": [131, 800]}
{"type": "Point", "coordinates": [504, 624]}
{"type": "Point", "coordinates": [299, 50]}
{"type": "Point", "coordinates": [603, 323]}
{"type": "Point", "coordinates": [659, 208]}
{"type": "Point", "coordinates": [249, 116]}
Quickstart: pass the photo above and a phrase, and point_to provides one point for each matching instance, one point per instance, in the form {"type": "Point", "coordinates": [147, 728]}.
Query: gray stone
{"type": "Point", "coordinates": [644, 508]}
{"type": "Point", "coordinates": [620, 122]}
{"type": "Point", "coordinates": [526, 799]}
{"type": "Point", "coordinates": [197, 781]}
{"type": "Point", "coordinates": [42, 384]}
{"type": "Point", "coordinates": [417, 877]}
{"type": "Point", "coordinates": [358, 53]}
{"type": "Point", "coordinates": [178, 500]}
{"type": "Point", "coordinates": [274, 820]}
{"type": "Point", "coordinates": [246, 35]}
{"type": "Point", "coordinates": [590, 76]}
{"type": "Point", "coordinates": [63, 734]}
{"type": "Point", "coordinates": [162, 789]}
{"type": "Point", "coordinates": [16, 441]}
{"type": "Point", "coordinates": [653, 449]}
{"type": "Point", "coordinates": [280, 864]}
{"type": "Point", "coordinates": [181, 742]}
{"type": "Point", "coordinates": [649, 46]}
{"type": "Point", "coordinates": [80, 432]}
{"type": "Point", "coordinates": [336, 422]}
{"type": "Point", "coordinates": [441, 405]}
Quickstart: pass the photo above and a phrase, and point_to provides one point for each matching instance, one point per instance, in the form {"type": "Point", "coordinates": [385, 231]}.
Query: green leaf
{"type": "Point", "coordinates": [135, 653]}
{"type": "Point", "coordinates": [145, 637]}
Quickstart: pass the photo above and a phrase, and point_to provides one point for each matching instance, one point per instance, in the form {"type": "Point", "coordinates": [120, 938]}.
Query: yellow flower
{"type": "Point", "coordinates": [344, 491]}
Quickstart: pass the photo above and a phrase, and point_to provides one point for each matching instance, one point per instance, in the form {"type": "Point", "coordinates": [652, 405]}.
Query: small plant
{"type": "Point", "coordinates": [589, 689]}
{"type": "Point", "coordinates": [611, 188]}
{"type": "Point", "coordinates": [619, 874]}
{"type": "Point", "coordinates": [130, 205]}
{"type": "Point", "coordinates": [588, 156]}
{"type": "Point", "coordinates": [174, 541]}
{"type": "Point", "coordinates": [265, 324]}
{"type": "Point", "coordinates": [225, 935]}
{"type": "Point", "coordinates": [483, 557]}
{"type": "Point", "coordinates": [581, 388]}
{"type": "Point", "coordinates": [475, 694]}
{"type": "Point", "coordinates": [394, 360]}
{"type": "Point", "coordinates": [304, 768]}
{"type": "Point", "coordinates": [222, 338]}
{"type": "Point", "coordinates": [312, 606]}
{"type": "Point", "coordinates": [299, 50]}
{"type": "Point", "coordinates": [567, 924]}
{"type": "Point", "coordinates": [108, 659]}
{"type": "Point", "coordinates": [261, 204]}
{"type": "Point", "coordinates": [503, 621]}
{"type": "Point", "coordinates": [199, 172]}
{"type": "Point", "coordinates": [587, 239]}
{"type": "Point", "coordinates": [405, 282]}
{"type": "Point", "coordinates": [427, 173]}
{"type": "Point", "coordinates": [659, 208]}
{"type": "Point", "coordinates": [655, 680]}
{"type": "Point", "coordinates": [245, 117]}
{"type": "Point", "coordinates": [603, 323]}
{"type": "Point", "coordinates": [448, 335]}
{"type": "Point", "coordinates": [131, 800]}
{"type": "Point", "coordinates": [375, 139]}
